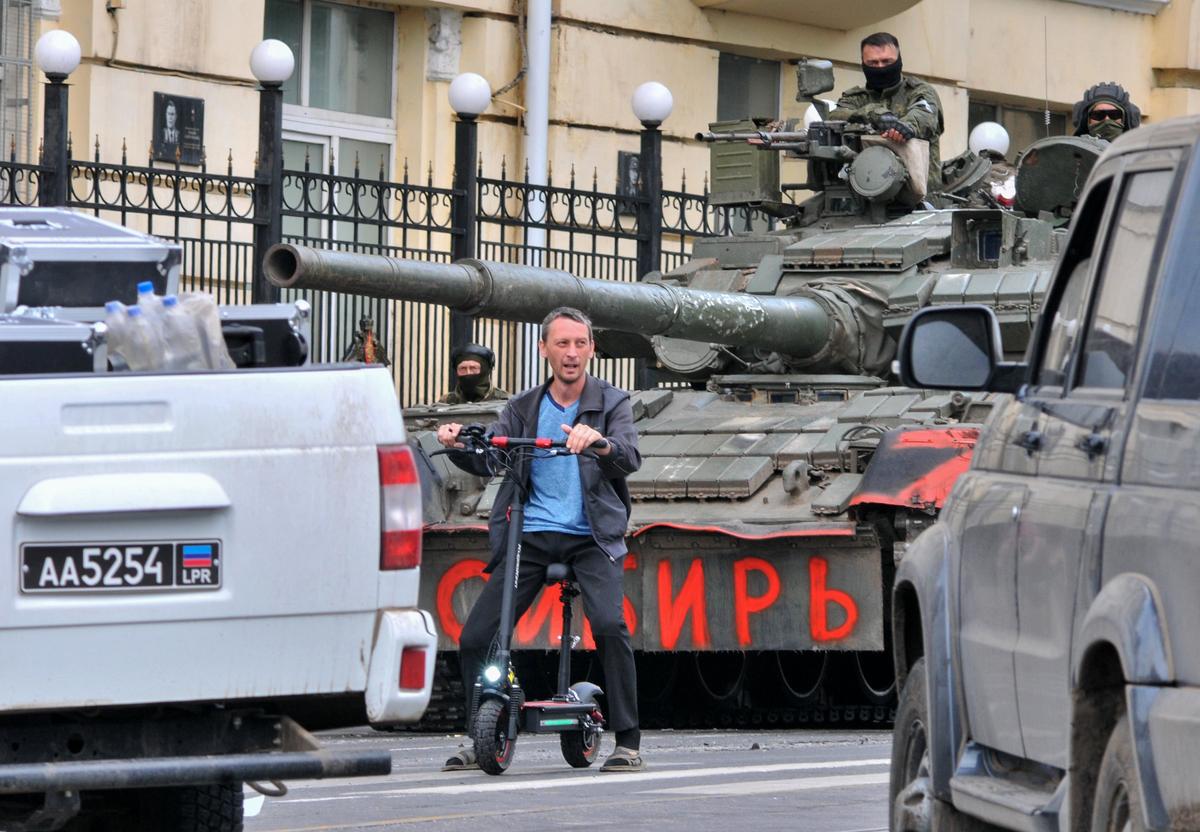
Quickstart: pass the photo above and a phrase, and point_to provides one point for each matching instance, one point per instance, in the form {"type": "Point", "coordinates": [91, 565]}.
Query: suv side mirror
{"type": "Point", "coordinates": [956, 348]}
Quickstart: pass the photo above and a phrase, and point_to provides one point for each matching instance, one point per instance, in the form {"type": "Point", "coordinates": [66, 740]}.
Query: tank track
{"type": "Point", "coordinates": [833, 707]}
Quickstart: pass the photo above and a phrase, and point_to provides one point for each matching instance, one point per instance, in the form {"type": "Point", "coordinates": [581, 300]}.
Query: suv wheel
{"type": "Point", "coordinates": [914, 806]}
{"type": "Point", "coordinates": [1118, 805]}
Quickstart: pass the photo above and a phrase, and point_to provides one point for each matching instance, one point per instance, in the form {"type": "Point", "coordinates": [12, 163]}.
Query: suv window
{"type": "Point", "coordinates": [1175, 366]}
{"type": "Point", "coordinates": [1067, 321]}
{"type": "Point", "coordinates": [1109, 350]}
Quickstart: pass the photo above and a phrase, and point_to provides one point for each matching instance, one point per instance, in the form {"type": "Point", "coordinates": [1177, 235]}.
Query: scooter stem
{"type": "Point", "coordinates": [512, 572]}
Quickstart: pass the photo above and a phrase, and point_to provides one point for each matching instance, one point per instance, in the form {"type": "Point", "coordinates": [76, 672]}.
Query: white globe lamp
{"type": "Point", "coordinates": [988, 135]}
{"type": "Point", "coordinates": [272, 62]}
{"type": "Point", "coordinates": [470, 94]}
{"type": "Point", "coordinates": [57, 53]}
{"type": "Point", "coordinates": [652, 103]}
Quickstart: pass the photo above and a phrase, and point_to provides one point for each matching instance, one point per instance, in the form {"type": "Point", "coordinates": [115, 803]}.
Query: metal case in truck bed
{"type": "Point", "coordinates": [30, 345]}
{"type": "Point", "coordinates": [268, 334]}
{"type": "Point", "coordinates": [55, 257]}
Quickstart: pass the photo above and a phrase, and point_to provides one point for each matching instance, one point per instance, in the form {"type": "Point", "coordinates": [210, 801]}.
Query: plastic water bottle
{"type": "Point", "coordinates": [182, 341]}
{"type": "Point", "coordinates": [143, 346]}
{"type": "Point", "coordinates": [117, 320]}
{"type": "Point", "coordinates": [147, 301]}
{"type": "Point", "coordinates": [207, 317]}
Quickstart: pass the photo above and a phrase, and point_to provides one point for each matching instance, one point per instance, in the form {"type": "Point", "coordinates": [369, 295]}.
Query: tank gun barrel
{"type": "Point", "coordinates": [765, 138]}
{"type": "Point", "coordinates": [798, 327]}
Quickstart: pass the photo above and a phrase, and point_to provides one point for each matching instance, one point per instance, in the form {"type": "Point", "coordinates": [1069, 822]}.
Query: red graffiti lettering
{"type": "Point", "coordinates": [743, 602]}
{"type": "Point", "coordinates": [546, 607]}
{"type": "Point", "coordinates": [464, 570]}
{"type": "Point", "coordinates": [673, 611]}
{"type": "Point", "coordinates": [631, 620]}
{"type": "Point", "coordinates": [820, 597]}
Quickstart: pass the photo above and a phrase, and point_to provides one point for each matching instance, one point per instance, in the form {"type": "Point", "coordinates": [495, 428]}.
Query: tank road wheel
{"type": "Point", "coordinates": [493, 746]}
{"type": "Point", "coordinates": [910, 792]}
{"type": "Point", "coordinates": [580, 748]}
{"type": "Point", "coordinates": [1118, 804]}
{"type": "Point", "coordinates": [721, 675]}
{"type": "Point", "coordinates": [801, 674]}
{"type": "Point", "coordinates": [876, 676]}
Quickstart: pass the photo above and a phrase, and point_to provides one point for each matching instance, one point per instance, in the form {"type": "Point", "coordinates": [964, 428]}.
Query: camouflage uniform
{"type": "Point", "coordinates": [913, 102]}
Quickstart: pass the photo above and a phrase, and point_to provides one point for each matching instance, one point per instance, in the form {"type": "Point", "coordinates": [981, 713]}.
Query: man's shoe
{"type": "Point", "coordinates": [624, 759]}
{"type": "Point", "coordinates": [462, 760]}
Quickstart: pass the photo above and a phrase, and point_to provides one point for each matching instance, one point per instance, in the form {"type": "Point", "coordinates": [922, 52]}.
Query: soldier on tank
{"type": "Point", "coordinates": [1105, 112]}
{"type": "Point", "coordinates": [913, 104]}
{"type": "Point", "coordinates": [473, 366]}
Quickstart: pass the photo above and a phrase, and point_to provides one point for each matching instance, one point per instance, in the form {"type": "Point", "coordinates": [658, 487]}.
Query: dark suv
{"type": "Point", "coordinates": [1048, 626]}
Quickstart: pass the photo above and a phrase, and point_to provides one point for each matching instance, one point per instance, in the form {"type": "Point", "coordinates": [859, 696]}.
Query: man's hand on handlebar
{"type": "Point", "coordinates": [581, 437]}
{"type": "Point", "coordinates": [447, 434]}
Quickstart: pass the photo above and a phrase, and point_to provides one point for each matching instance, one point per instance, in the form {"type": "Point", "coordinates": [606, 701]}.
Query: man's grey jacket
{"type": "Point", "coordinates": [605, 494]}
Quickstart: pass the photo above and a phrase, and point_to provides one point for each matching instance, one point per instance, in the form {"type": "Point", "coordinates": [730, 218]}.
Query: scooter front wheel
{"type": "Point", "coordinates": [580, 748]}
{"type": "Point", "coordinates": [493, 746]}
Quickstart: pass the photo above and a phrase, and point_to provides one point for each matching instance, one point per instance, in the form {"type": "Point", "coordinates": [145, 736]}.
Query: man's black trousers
{"type": "Point", "coordinates": [600, 581]}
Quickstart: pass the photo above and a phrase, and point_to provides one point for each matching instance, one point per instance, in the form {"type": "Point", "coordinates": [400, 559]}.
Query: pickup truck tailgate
{"type": "Point", "coordinates": [208, 536]}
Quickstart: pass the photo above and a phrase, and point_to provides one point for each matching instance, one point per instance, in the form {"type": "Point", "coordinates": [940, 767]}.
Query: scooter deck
{"type": "Point", "coordinates": [550, 717]}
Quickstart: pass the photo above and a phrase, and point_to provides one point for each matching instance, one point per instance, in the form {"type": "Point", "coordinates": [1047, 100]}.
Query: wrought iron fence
{"type": "Point", "coordinates": [211, 213]}
{"type": "Point", "coordinates": [373, 216]}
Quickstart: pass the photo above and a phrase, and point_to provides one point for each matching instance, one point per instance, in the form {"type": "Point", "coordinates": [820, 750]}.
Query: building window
{"type": "Point", "coordinates": [337, 105]}
{"type": "Point", "coordinates": [747, 88]}
{"type": "Point", "coordinates": [1024, 126]}
{"type": "Point", "coordinates": [343, 55]}
{"type": "Point", "coordinates": [16, 78]}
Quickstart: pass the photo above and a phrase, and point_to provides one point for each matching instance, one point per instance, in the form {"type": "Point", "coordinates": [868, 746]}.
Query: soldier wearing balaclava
{"type": "Point", "coordinates": [1105, 112]}
{"type": "Point", "coordinates": [473, 365]}
{"type": "Point", "coordinates": [889, 92]}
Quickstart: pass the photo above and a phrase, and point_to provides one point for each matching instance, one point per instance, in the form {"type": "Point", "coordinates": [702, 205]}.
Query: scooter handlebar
{"type": "Point", "coordinates": [538, 442]}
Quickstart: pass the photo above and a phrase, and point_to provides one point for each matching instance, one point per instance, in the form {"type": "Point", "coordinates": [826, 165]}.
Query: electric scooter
{"type": "Point", "coordinates": [500, 712]}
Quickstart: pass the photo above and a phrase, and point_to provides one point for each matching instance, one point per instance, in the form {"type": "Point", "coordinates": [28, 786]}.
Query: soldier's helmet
{"type": "Point", "coordinates": [478, 352]}
{"type": "Point", "coordinates": [1108, 91]}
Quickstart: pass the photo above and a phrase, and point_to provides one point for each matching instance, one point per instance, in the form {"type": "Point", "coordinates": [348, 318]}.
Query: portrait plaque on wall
{"type": "Point", "coordinates": [178, 126]}
{"type": "Point", "coordinates": [629, 180]}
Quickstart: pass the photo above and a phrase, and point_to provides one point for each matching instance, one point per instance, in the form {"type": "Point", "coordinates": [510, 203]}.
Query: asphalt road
{"type": "Point", "coordinates": [832, 781]}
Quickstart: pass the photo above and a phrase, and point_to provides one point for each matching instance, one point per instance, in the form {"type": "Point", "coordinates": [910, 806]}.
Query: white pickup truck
{"type": "Point", "coordinates": [198, 565]}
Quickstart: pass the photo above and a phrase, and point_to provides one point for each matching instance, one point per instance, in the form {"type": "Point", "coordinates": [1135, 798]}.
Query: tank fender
{"type": "Point", "coordinates": [925, 574]}
{"type": "Point", "coordinates": [916, 467]}
{"type": "Point", "coordinates": [1128, 615]}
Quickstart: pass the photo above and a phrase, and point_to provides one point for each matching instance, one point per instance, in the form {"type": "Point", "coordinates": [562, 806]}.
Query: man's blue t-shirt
{"type": "Point", "coordinates": [556, 495]}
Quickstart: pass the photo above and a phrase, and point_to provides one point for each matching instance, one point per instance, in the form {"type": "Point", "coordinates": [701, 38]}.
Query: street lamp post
{"type": "Point", "coordinates": [652, 104]}
{"type": "Point", "coordinates": [470, 95]}
{"type": "Point", "coordinates": [57, 53]}
{"type": "Point", "coordinates": [272, 64]}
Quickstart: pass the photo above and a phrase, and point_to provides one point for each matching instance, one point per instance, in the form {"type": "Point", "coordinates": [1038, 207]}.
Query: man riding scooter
{"type": "Point", "coordinates": [576, 514]}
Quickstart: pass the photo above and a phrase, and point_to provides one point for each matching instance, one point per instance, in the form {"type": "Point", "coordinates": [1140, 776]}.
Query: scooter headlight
{"type": "Point", "coordinates": [492, 674]}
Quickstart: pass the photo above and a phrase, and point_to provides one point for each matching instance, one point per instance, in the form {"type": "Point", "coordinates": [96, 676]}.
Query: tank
{"type": "Point", "coordinates": [784, 471]}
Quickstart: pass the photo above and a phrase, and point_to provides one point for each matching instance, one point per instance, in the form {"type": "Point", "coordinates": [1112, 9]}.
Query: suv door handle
{"type": "Point", "coordinates": [1093, 444]}
{"type": "Point", "coordinates": [1030, 440]}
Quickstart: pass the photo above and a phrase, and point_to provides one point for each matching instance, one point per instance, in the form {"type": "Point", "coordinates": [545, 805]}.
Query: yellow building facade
{"type": "Point", "coordinates": [372, 76]}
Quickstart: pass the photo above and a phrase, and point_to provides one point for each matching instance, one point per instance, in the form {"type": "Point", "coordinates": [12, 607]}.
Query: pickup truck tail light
{"type": "Point", "coordinates": [412, 668]}
{"type": "Point", "coordinates": [401, 517]}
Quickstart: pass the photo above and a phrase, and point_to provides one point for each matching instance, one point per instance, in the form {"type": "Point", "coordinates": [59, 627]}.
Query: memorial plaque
{"type": "Point", "coordinates": [178, 128]}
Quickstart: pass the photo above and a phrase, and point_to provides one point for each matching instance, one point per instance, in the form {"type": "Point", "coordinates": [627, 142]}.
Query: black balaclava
{"type": "Point", "coordinates": [474, 386]}
{"type": "Point", "coordinates": [883, 77]}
